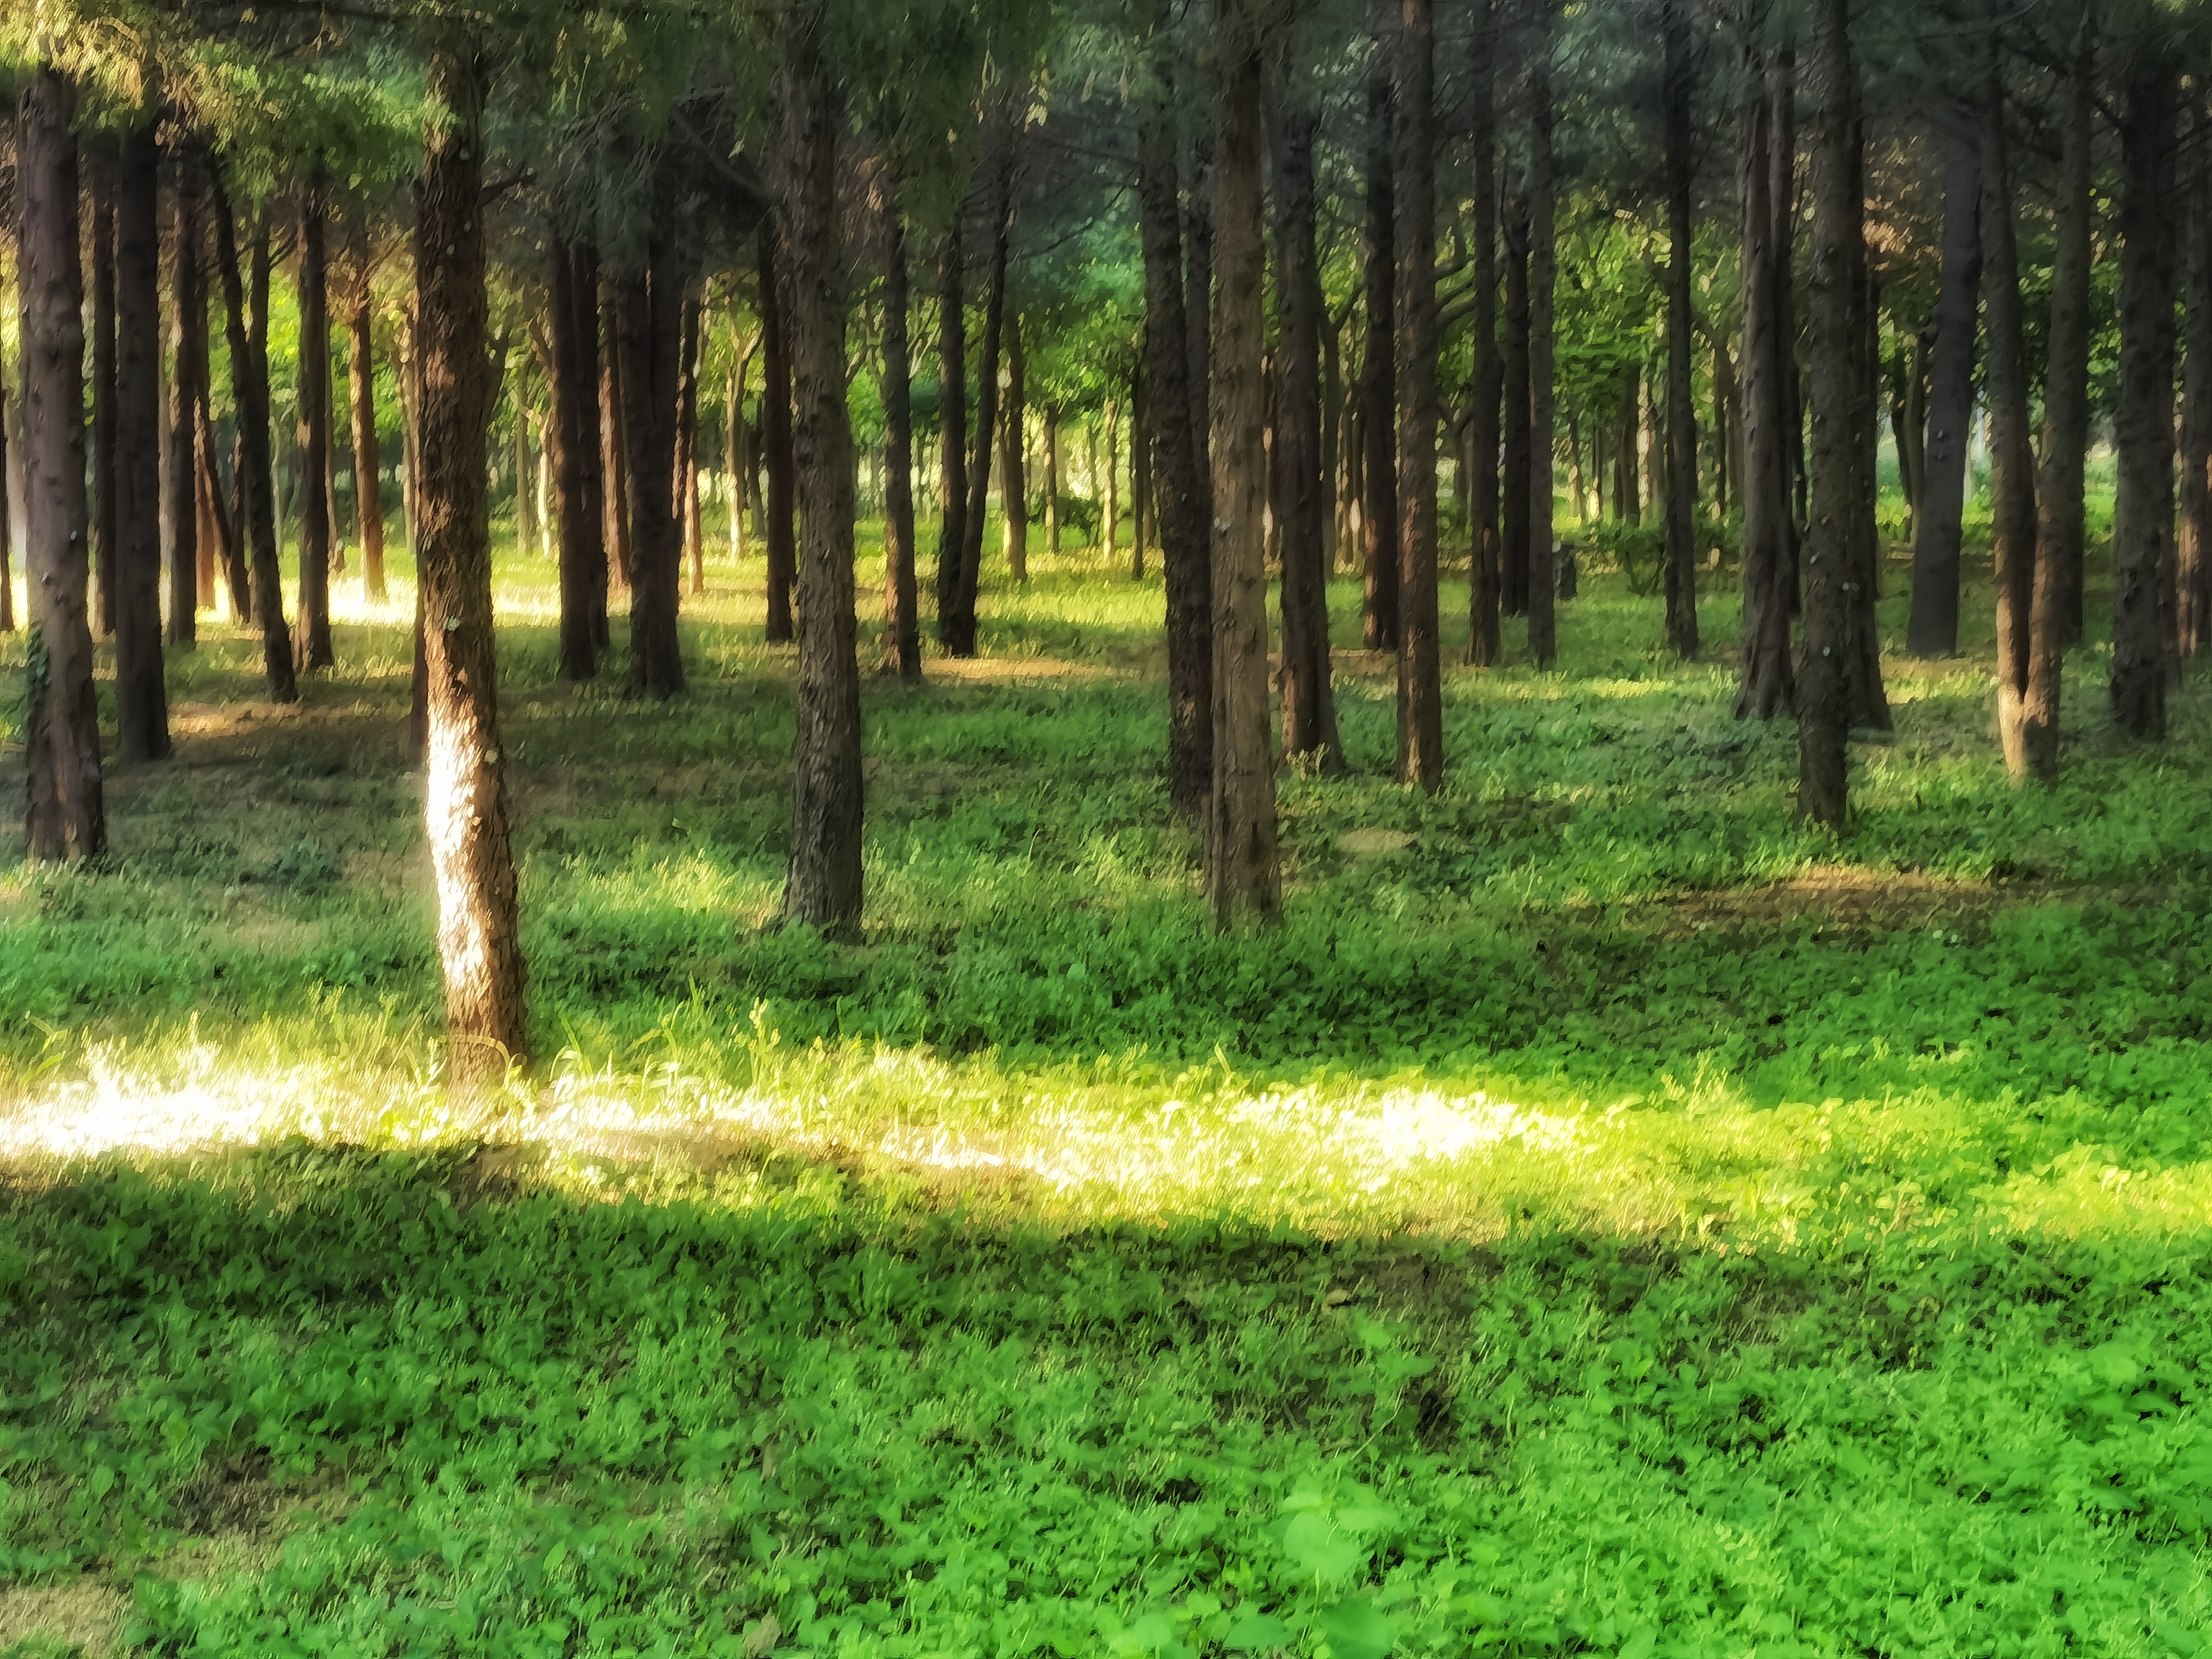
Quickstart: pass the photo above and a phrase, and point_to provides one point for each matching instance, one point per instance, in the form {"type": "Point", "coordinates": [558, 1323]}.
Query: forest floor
{"type": "Point", "coordinates": [1605, 1217]}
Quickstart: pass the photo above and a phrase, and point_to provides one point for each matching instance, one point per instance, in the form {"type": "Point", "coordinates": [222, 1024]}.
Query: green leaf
{"type": "Point", "coordinates": [1255, 1632]}
{"type": "Point", "coordinates": [1314, 1543]}
{"type": "Point", "coordinates": [1353, 1630]}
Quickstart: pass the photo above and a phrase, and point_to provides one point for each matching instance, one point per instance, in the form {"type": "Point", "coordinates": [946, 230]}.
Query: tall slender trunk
{"type": "Point", "coordinates": [314, 392]}
{"type": "Point", "coordinates": [1824, 684]}
{"type": "Point", "coordinates": [2012, 450]}
{"type": "Point", "coordinates": [737, 461]}
{"type": "Point", "coordinates": [823, 888]}
{"type": "Point", "coordinates": [1908, 420]}
{"type": "Point", "coordinates": [986, 394]}
{"type": "Point", "coordinates": [1378, 414]}
{"type": "Point", "coordinates": [2142, 423]}
{"type": "Point", "coordinates": [7, 516]}
{"type": "Point", "coordinates": [1514, 509]}
{"type": "Point", "coordinates": [1140, 477]}
{"type": "Point", "coordinates": [2061, 528]}
{"type": "Point", "coordinates": [1543, 275]}
{"type": "Point", "coordinates": [1244, 875]}
{"type": "Point", "coordinates": [360, 383]}
{"type": "Point", "coordinates": [1309, 701]}
{"type": "Point", "coordinates": [615, 483]}
{"type": "Point", "coordinates": [2192, 613]}
{"type": "Point", "coordinates": [66, 816]}
{"type": "Point", "coordinates": [1932, 629]}
{"type": "Point", "coordinates": [219, 527]}
{"type": "Point", "coordinates": [1179, 502]}
{"type": "Point", "coordinates": [257, 527]}
{"type": "Point", "coordinates": [572, 439]}
{"type": "Point", "coordinates": [465, 786]}
{"type": "Point", "coordinates": [1109, 528]}
{"type": "Point", "coordinates": [1863, 586]}
{"type": "Point", "coordinates": [1049, 421]}
{"type": "Point", "coordinates": [142, 700]}
{"type": "Point", "coordinates": [188, 315]}
{"type": "Point", "coordinates": [687, 445]}
{"type": "Point", "coordinates": [101, 178]}
{"type": "Point", "coordinates": [1198, 301]}
{"type": "Point", "coordinates": [901, 620]}
{"type": "Point", "coordinates": [952, 418]}
{"type": "Point", "coordinates": [1013, 475]}
{"type": "Point", "coordinates": [651, 346]}
{"type": "Point", "coordinates": [1485, 590]}
{"type": "Point", "coordinates": [1682, 577]}
{"type": "Point", "coordinates": [776, 434]}
{"type": "Point", "coordinates": [1767, 686]}
{"type": "Point", "coordinates": [1420, 686]}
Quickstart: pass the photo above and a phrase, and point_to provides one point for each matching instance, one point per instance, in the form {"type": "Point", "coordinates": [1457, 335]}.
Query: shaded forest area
{"type": "Point", "coordinates": [1106, 827]}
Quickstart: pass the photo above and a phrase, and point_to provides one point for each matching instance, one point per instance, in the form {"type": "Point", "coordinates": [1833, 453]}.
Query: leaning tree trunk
{"type": "Point", "coordinates": [2061, 523]}
{"type": "Point", "coordinates": [1933, 630]}
{"type": "Point", "coordinates": [1309, 701]}
{"type": "Point", "coordinates": [952, 423]}
{"type": "Point", "coordinates": [1767, 686]}
{"type": "Point", "coordinates": [187, 316]}
{"type": "Point", "coordinates": [651, 346]}
{"type": "Point", "coordinates": [257, 525]}
{"type": "Point", "coordinates": [1681, 572]}
{"type": "Point", "coordinates": [1378, 385]}
{"type": "Point", "coordinates": [2142, 423]}
{"type": "Point", "coordinates": [1543, 276]}
{"type": "Point", "coordinates": [1485, 645]}
{"type": "Point", "coordinates": [572, 441]}
{"type": "Point", "coordinates": [1243, 875]}
{"type": "Point", "coordinates": [1420, 686]}
{"type": "Point", "coordinates": [823, 886]}
{"type": "Point", "coordinates": [314, 389]}
{"type": "Point", "coordinates": [2192, 596]}
{"type": "Point", "coordinates": [1823, 686]}
{"type": "Point", "coordinates": [66, 818]}
{"type": "Point", "coordinates": [1514, 509]}
{"type": "Point", "coordinates": [465, 788]}
{"type": "Point", "coordinates": [101, 182]}
{"type": "Point", "coordinates": [901, 623]}
{"type": "Point", "coordinates": [775, 432]}
{"type": "Point", "coordinates": [1179, 509]}
{"type": "Point", "coordinates": [142, 700]}
{"type": "Point", "coordinates": [986, 395]}
{"type": "Point", "coordinates": [2012, 450]}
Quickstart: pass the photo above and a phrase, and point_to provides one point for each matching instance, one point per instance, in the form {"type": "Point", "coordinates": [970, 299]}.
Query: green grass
{"type": "Point", "coordinates": [1606, 1217]}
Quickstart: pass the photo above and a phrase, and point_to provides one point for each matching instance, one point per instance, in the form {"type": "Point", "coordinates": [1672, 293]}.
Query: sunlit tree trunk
{"type": "Point", "coordinates": [1543, 274]}
{"type": "Point", "coordinates": [901, 621]}
{"type": "Point", "coordinates": [614, 442]}
{"type": "Point", "coordinates": [1420, 689]}
{"type": "Point", "coordinates": [142, 700]}
{"type": "Point", "coordinates": [1243, 878]}
{"type": "Point", "coordinates": [1378, 413]}
{"type": "Point", "coordinates": [465, 788]}
{"type": "Point", "coordinates": [360, 383]}
{"type": "Point", "coordinates": [1932, 629]}
{"type": "Point", "coordinates": [687, 442]}
{"type": "Point", "coordinates": [314, 396]}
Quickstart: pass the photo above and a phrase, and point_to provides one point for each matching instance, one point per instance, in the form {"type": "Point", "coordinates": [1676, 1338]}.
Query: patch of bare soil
{"type": "Point", "coordinates": [86, 1615]}
{"type": "Point", "coordinates": [1850, 897]}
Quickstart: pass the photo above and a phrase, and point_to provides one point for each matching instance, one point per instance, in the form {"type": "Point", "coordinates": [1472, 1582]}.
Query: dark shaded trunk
{"type": "Point", "coordinates": [1681, 575]}
{"type": "Point", "coordinates": [1933, 630]}
{"type": "Point", "coordinates": [1420, 686]}
{"type": "Point", "coordinates": [823, 886]}
{"type": "Point", "coordinates": [314, 394]}
{"type": "Point", "coordinates": [1198, 300]}
{"type": "Point", "coordinates": [1243, 874]}
{"type": "Point", "coordinates": [1309, 701]}
{"type": "Point", "coordinates": [687, 446]}
{"type": "Point", "coordinates": [952, 419]}
{"type": "Point", "coordinates": [1869, 700]}
{"type": "Point", "coordinates": [572, 441]}
{"type": "Point", "coordinates": [1179, 503]}
{"type": "Point", "coordinates": [2142, 423]}
{"type": "Point", "coordinates": [219, 527]}
{"type": "Point", "coordinates": [1825, 693]}
{"type": "Point", "coordinates": [1908, 421]}
{"type": "Point", "coordinates": [2061, 520]}
{"type": "Point", "coordinates": [1050, 423]}
{"type": "Point", "coordinates": [614, 442]}
{"type": "Point", "coordinates": [1513, 505]}
{"type": "Point", "coordinates": [1486, 588]}
{"type": "Point", "coordinates": [1013, 472]}
{"type": "Point", "coordinates": [361, 382]}
{"type": "Point", "coordinates": [901, 621]}
{"type": "Point", "coordinates": [142, 700]}
{"type": "Point", "coordinates": [782, 551]}
{"type": "Point", "coordinates": [101, 178]}
{"type": "Point", "coordinates": [256, 496]}
{"type": "Point", "coordinates": [187, 318]}
{"type": "Point", "coordinates": [652, 301]}
{"type": "Point", "coordinates": [1378, 384]}
{"type": "Point", "coordinates": [1543, 275]}
{"type": "Point", "coordinates": [464, 788]}
{"type": "Point", "coordinates": [65, 815]}
{"type": "Point", "coordinates": [986, 395]}
{"type": "Point", "coordinates": [1768, 685]}
{"type": "Point", "coordinates": [2192, 610]}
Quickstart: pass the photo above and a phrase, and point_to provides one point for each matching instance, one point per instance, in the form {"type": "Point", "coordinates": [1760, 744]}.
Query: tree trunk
{"type": "Point", "coordinates": [1140, 477]}
{"type": "Point", "coordinates": [1243, 877]}
{"type": "Point", "coordinates": [1109, 527]}
{"type": "Point", "coordinates": [314, 393]}
{"type": "Point", "coordinates": [526, 512]}
{"type": "Point", "coordinates": [1198, 304]}
{"type": "Point", "coordinates": [1908, 420]}
{"type": "Point", "coordinates": [1485, 593]}
{"type": "Point", "coordinates": [2061, 528]}
{"type": "Point", "coordinates": [776, 434]}
{"type": "Point", "coordinates": [220, 529]}
{"type": "Point", "coordinates": [901, 621]}
{"type": "Point", "coordinates": [257, 527]}
{"type": "Point", "coordinates": [1420, 687]}
{"type": "Point", "coordinates": [1543, 275]}
{"type": "Point", "coordinates": [1823, 685]}
{"type": "Point", "coordinates": [188, 315]}
{"type": "Point", "coordinates": [986, 395]}
{"type": "Point", "coordinates": [1013, 475]}
{"type": "Point", "coordinates": [1682, 579]}
{"type": "Point", "coordinates": [7, 517]}
{"type": "Point", "coordinates": [687, 442]}
{"type": "Point", "coordinates": [101, 180]}
{"type": "Point", "coordinates": [650, 348]}
{"type": "Point", "coordinates": [615, 483]}
{"type": "Point", "coordinates": [1767, 686]}
{"type": "Point", "coordinates": [464, 788]}
{"type": "Point", "coordinates": [1378, 414]}
{"type": "Point", "coordinates": [1870, 701]}
{"type": "Point", "coordinates": [823, 888]}
{"type": "Point", "coordinates": [572, 438]}
{"type": "Point", "coordinates": [1309, 701]}
{"type": "Point", "coordinates": [2192, 613]}
{"type": "Point", "coordinates": [1179, 503]}
{"type": "Point", "coordinates": [1050, 421]}
{"type": "Point", "coordinates": [1933, 630]}
{"type": "Point", "coordinates": [2142, 423]}
{"type": "Point", "coordinates": [1515, 508]}
{"type": "Point", "coordinates": [2011, 452]}
{"type": "Point", "coordinates": [360, 383]}
{"type": "Point", "coordinates": [952, 419]}
{"type": "Point", "coordinates": [142, 700]}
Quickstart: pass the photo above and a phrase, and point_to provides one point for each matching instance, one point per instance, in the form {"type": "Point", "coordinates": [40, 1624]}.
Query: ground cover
{"type": "Point", "coordinates": [1606, 1216]}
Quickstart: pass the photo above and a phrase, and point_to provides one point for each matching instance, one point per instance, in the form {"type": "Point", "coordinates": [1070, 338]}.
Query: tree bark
{"type": "Point", "coordinates": [952, 417]}
{"type": "Point", "coordinates": [1243, 877]}
{"type": "Point", "coordinates": [2061, 522]}
{"type": "Point", "coordinates": [464, 788]}
{"type": "Point", "coordinates": [1420, 686]}
{"type": "Point", "coordinates": [1768, 685]}
{"type": "Point", "coordinates": [2142, 423]}
{"type": "Point", "coordinates": [1179, 502]}
{"type": "Point", "coordinates": [142, 700]}
{"type": "Point", "coordinates": [901, 620]}
{"type": "Point", "coordinates": [650, 343]}
{"type": "Point", "coordinates": [257, 503]}
{"type": "Point", "coordinates": [1869, 700]}
{"type": "Point", "coordinates": [7, 517]}
{"type": "Point", "coordinates": [1515, 508]}
{"type": "Point", "coordinates": [1681, 575]}
{"type": "Point", "coordinates": [1486, 591]}
{"type": "Point", "coordinates": [187, 316]}
{"type": "Point", "coordinates": [986, 394]}
{"type": "Point", "coordinates": [687, 445]}
{"type": "Point", "coordinates": [1198, 304]}
{"type": "Point", "coordinates": [1309, 701]}
{"type": "Point", "coordinates": [1110, 528]}
{"type": "Point", "coordinates": [1014, 473]}
{"type": "Point", "coordinates": [1933, 630]}
{"type": "Point", "coordinates": [361, 382]}
{"type": "Point", "coordinates": [572, 435]}
{"type": "Point", "coordinates": [1049, 420]}
{"type": "Point", "coordinates": [101, 181]}
{"type": "Point", "coordinates": [823, 888]}
{"type": "Point", "coordinates": [1824, 684]}
{"type": "Point", "coordinates": [66, 818]}
{"type": "Point", "coordinates": [1543, 274]}
{"type": "Point", "coordinates": [614, 442]}
{"type": "Point", "coordinates": [2192, 613]}
{"type": "Point", "coordinates": [1378, 414]}
{"type": "Point", "coordinates": [314, 395]}
{"type": "Point", "coordinates": [776, 435]}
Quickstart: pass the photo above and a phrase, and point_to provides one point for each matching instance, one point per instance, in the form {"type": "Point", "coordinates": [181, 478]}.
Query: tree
{"type": "Point", "coordinates": [650, 289]}
{"type": "Point", "coordinates": [901, 630]}
{"type": "Point", "coordinates": [1486, 591]}
{"type": "Point", "coordinates": [142, 700]}
{"type": "Point", "coordinates": [2193, 563]}
{"type": "Point", "coordinates": [1420, 691]}
{"type": "Point", "coordinates": [360, 384]}
{"type": "Point", "coordinates": [188, 321]}
{"type": "Point", "coordinates": [1933, 630]}
{"type": "Point", "coordinates": [952, 423]}
{"type": "Point", "coordinates": [1767, 685]}
{"type": "Point", "coordinates": [67, 816]}
{"type": "Point", "coordinates": [775, 432]}
{"type": "Point", "coordinates": [573, 444]}
{"type": "Point", "coordinates": [1543, 281]}
{"type": "Point", "coordinates": [1378, 384]}
{"type": "Point", "coordinates": [1681, 568]}
{"type": "Point", "coordinates": [314, 388]}
{"type": "Point", "coordinates": [2061, 521]}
